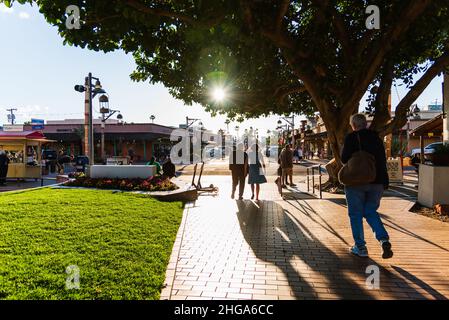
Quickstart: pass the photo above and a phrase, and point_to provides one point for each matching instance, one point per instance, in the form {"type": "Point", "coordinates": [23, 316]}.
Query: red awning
{"type": "Point", "coordinates": [22, 134]}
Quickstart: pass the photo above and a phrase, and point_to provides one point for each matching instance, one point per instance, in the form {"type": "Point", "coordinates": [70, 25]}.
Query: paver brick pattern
{"type": "Point", "coordinates": [298, 249]}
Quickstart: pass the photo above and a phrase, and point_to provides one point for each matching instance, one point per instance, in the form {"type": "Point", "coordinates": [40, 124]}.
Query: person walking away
{"type": "Point", "coordinates": [4, 162]}
{"type": "Point", "coordinates": [63, 159]}
{"type": "Point", "coordinates": [286, 159]}
{"type": "Point", "coordinates": [256, 174]}
{"type": "Point", "coordinates": [295, 155]}
{"type": "Point", "coordinates": [364, 200]}
{"type": "Point", "coordinates": [153, 162]}
{"type": "Point", "coordinates": [300, 154]}
{"type": "Point", "coordinates": [238, 164]}
{"type": "Point", "coordinates": [59, 163]}
{"type": "Point", "coordinates": [168, 168]}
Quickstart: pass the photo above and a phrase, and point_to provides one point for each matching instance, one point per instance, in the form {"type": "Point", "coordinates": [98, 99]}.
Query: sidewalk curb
{"type": "Point", "coordinates": [174, 256]}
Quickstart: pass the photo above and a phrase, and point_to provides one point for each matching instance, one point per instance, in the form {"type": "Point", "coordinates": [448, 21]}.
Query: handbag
{"type": "Point", "coordinates": [360, 169]}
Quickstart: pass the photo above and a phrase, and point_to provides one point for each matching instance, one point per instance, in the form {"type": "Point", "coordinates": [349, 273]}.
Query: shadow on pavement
{"type": "Point", "coordinates": [434, 293]}
{"type": "Point", "coordinates": [276, 236]}
{"type": "Point", "coordinates": [388, 222]}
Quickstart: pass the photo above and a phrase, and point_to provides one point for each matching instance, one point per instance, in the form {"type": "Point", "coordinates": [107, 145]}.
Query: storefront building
{"type": "Point", "coordinates": [140, 141]}
{"type": "Point", "coordinates": [24, 152]}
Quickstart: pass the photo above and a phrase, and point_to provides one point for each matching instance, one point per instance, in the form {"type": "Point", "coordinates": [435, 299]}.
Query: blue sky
{"type": "Point", "coordinates": [38, 73]}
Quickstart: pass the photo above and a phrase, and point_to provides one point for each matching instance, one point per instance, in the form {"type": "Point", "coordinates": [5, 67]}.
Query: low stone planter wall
{"type": "Point", "coordinates": [122, 172]}
{"type": "Point", "coordinates": [184, 193]}
{"type": "Point", "coordinates": [60, 178]}
{"type": "Point", "coordinates": [433, 185]}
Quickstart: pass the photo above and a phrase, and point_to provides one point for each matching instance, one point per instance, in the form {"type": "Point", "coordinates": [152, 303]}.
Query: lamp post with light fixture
{"type": "Point", "coordinates": [90, 91]}
{"type": "Point", "coordinates": [291, 122]}
{"type": "Point", "coordinates": [106, 113]}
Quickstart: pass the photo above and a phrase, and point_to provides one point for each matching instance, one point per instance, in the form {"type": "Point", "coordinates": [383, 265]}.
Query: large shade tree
{"type": "Point", "coordinates": [273, 56]}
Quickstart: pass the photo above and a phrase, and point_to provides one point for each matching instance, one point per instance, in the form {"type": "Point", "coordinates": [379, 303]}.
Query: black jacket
{"type": "Point", "coordinates": [371, 143]}
{"type": "Point", "coordinates": [238, 161]}
{"type": "Point", "coordinates": [4, 160]}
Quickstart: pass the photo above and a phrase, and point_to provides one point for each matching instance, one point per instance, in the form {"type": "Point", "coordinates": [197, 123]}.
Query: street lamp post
{"type": "Point", "coordinates": [152, 117]}
{"type": "Point", "coordinates": [90, 92]}
{"type": "Point", "coordinates": [189, 123]}
{"type": "Point", "coordinates": [227, 122]}
{"type": "Point", "coordinates": [291, 122]}
{"type": "Point", "coordinates": [106, 113]}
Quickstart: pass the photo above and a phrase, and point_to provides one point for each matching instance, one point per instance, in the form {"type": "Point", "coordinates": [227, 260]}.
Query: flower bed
{"type": "Point", "coordinates": [156, 183]}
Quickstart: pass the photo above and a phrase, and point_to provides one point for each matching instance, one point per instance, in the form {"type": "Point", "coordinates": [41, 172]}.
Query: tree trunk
{"type": "Point", "coordinates": [336, 140]}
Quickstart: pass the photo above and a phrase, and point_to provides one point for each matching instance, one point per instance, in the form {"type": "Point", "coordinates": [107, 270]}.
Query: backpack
{"type": "Point", "coordinates": [360, 169]}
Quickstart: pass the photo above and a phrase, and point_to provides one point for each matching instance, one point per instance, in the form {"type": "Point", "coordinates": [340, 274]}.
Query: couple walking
{"type": "Point", "coordinates": [249, 163]}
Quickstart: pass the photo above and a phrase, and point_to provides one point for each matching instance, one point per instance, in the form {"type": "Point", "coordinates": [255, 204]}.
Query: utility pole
{"type": "Point", "coordinates": [88, 119]}
{"type": "Point", "coordinates": [11, 117]}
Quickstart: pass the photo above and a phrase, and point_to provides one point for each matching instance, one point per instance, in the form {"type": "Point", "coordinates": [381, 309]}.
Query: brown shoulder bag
{"type": "Point", "coordinates": [360, 169]}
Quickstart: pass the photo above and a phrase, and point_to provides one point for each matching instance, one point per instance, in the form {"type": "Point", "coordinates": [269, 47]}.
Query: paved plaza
{"type": "Point", "coordinates": [297, 248]}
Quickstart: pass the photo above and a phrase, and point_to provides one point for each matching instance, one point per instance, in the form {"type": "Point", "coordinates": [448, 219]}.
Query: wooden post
{"type": "Point", "coordinates": [389, 137]}
{"type": "Point", "coordinates": [446, 108]}
{"type": "Point", "coordinates": [421, 143]}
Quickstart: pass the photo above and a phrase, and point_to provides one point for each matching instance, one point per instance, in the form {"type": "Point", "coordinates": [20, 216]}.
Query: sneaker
{"type": "Point", "coordinates": [387, 253]}
{"type": "Point", "coordinates": [360, 252]}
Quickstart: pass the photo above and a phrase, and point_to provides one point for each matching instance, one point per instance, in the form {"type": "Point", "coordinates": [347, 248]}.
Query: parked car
{"type": "Point", "coordinates": [80, 163]}
{"type": "Point", "coordinates": [212, 152]}
{"type": "Point", "coordinates": [427, 150]}
{"type": "Point", "coordinates": [273, 152]}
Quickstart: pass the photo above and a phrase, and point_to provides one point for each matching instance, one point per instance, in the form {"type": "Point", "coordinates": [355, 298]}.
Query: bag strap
{"type": "Point", "coordinates": [360, 143]}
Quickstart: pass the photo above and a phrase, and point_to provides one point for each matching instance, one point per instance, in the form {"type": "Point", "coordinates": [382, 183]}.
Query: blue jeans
{"type": "Point", "coordinates": [363, 202]}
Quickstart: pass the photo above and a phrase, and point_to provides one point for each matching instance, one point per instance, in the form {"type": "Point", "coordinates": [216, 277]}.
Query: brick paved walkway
{"type": "Point", "coordinates": [298, 249]}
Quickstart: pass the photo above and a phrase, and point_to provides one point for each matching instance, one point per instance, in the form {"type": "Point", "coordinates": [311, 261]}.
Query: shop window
{"type": "Point", "coordinates": [32, 155]}
{"type": "Point", "coordinates": [14, 153]}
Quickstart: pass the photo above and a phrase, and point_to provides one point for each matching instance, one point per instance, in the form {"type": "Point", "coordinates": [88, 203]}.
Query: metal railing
{"type": "Point", "coordinates": [312, 177]}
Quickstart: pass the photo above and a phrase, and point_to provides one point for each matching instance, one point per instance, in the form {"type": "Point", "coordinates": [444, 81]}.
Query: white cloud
{"type": "Point", "coordinates": [5, 9]}
{"type": "Point", "coordinates": [24, 15]}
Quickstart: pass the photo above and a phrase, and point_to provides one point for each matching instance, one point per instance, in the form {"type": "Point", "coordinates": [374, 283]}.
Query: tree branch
{"type": "Point", "coordinates": [379, 49]}
{"type": "Point", "coordinates": [338, 23]}
{"type": "Point", "coordinates": [138, 5]}
{"type": "Point", "coordinates": [283, 8]}
{"type": "Point", "coordinates": [403, 108]}
{"type": "Point", "coordinates": [381, 112]}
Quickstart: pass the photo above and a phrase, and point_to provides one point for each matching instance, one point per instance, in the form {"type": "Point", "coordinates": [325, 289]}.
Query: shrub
{"type": "Point", "coordinates": [151, 184]}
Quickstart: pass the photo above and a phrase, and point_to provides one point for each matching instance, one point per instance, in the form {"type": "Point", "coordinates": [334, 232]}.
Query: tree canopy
{"type": "Point", "coordinates": [272, 56]}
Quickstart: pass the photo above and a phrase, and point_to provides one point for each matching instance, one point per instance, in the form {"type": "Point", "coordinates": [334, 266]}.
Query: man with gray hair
{"type": "Point", "coordinates": [364, 200]}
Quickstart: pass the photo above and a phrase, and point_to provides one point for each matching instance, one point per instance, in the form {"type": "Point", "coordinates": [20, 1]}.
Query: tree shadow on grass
{"type": "Point", "coordinates": [277, 237]}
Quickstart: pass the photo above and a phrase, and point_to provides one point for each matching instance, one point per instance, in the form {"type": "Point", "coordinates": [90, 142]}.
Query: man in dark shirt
{"type": "Point", "coordinates": [286, 162]}
{"type": "Point", "coordinates": [364, 201]}
{"type": "Point", "coordinates": [168, 168]}
{"type": "Point", "coordinates": [238, 164]}
{"type": "Point", "coordinates": [4, 162]}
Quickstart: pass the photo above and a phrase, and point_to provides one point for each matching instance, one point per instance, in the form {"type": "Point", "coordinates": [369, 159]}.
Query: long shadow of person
{"type": "Point", "coordinates": [278, 237]}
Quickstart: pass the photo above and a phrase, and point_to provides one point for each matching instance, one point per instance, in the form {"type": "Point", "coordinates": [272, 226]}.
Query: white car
{"type": "Point", "coordinates": [427, 150]}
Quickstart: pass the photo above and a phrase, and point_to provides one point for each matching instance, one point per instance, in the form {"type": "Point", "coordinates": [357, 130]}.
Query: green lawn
{"type": "Point", "coordinates": [120, 242]}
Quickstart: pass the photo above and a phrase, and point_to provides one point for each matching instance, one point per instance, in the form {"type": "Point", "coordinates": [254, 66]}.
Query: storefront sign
{"type": "Point", "coordinates": [37, 124]}
{"type": "Point", "coordinates": [395, 170]}
{"type": "Point", "coordinates": [13, 127]}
